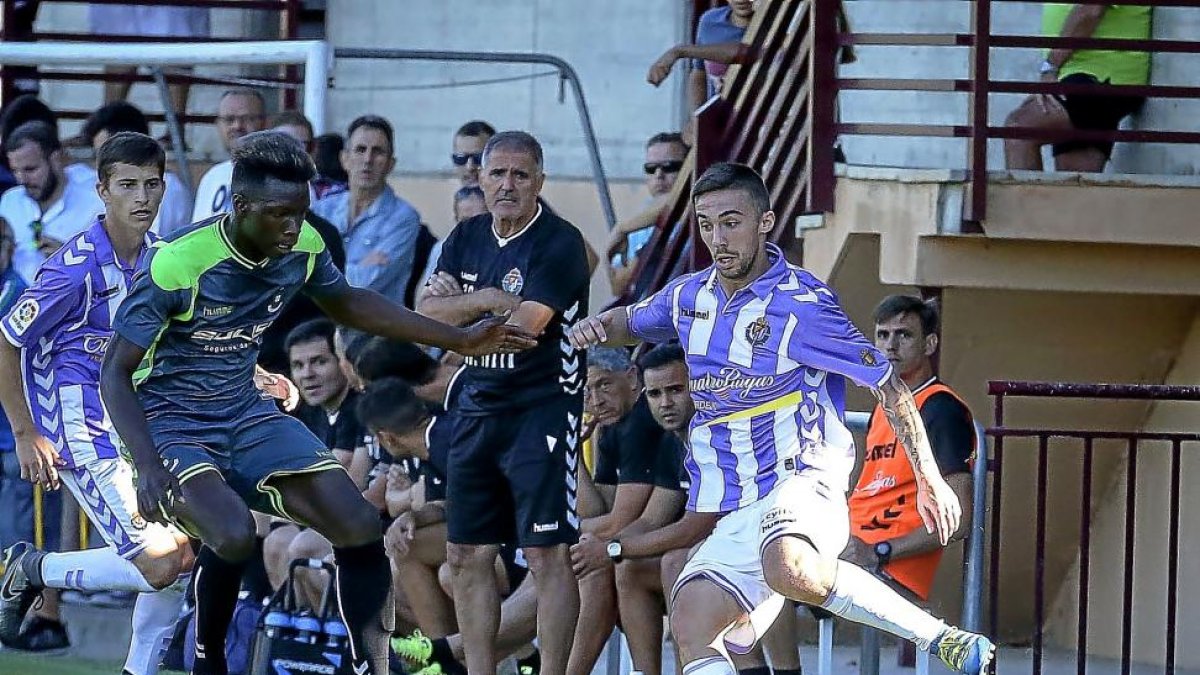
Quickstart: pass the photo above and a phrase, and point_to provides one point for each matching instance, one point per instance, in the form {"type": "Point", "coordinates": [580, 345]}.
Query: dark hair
{"type": "Point", "coordinates": [26, 108]}
{"type": "Point", "coordinates": [728, 175]}
{"type": "Point", "coordinates": [40, 133]}
{"type": "Point", "coordinates": [293, 118]}
{"type": "Point", "coordinates": [667, 137]}
{"type": "Point", "coordinates": [661, 356]}
{"type": "Point", "coordinates": [310, 331]}
{"type": "Point", "coordinates": [114, 118]}
{"type": "Point", "coordinates": [245, 91]}
{"type": "Point", "coordinates": [377, 123]}
{"type": "Point", "coordinates": [128, 147]}
{"type": "Point", "coordinates": [895, 305]}
{"type": "Point", "coordinates": [327, 157]}
{"type": "Point", "coordinates": [382, 358]}
{"type": "Point", "coordinates": [467, 192]}
{"type": "Point", "coordinates": [353, 342]}
{"type": "Point", "coordinates": [514, 140]}
{"type": "Point", "coordinates": [269, 154]}
{"type": "Point", "coordinates": [391, 405]}
{"type": "Point", "coordinates": [476, 128]}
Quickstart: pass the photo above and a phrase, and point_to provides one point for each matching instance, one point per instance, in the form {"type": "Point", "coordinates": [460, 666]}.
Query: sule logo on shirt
{"type": "Point", "coordinates": [23, 314]}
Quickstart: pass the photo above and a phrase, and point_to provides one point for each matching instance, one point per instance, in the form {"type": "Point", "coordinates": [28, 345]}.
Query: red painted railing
{"type": "Point", "coordinates": [1085, 442]}
{"type": "Point", "coordinates": [289, 21]}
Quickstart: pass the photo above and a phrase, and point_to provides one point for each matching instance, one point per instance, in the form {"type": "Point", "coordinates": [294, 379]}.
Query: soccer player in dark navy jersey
{"type": "Point", "coordinates": [512, 470]}
{"type": "Point", "coordinates": [178, 383]}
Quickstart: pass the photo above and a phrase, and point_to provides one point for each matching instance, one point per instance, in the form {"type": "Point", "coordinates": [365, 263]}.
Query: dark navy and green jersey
{"type": "Point", "coordinates": [199, 308]}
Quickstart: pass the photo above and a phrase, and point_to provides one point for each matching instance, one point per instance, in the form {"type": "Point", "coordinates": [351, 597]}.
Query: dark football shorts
{"type": "Point", "coordinates": [1093, 112]}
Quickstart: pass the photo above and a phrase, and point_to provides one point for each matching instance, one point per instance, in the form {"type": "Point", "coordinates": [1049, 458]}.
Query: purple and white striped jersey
{"type": "Point", "coordinates": [62, 324]}
{"type": "Point", "coordinates": [767, 368]}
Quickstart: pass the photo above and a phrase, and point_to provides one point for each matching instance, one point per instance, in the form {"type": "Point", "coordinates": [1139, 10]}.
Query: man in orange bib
{"type": "Point", "coordinates": [886, 531]}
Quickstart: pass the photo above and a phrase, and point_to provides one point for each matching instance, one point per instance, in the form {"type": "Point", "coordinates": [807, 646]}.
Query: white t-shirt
{"type": "Point", "coordinates": [71, 214]}
{"type": "Point", "coordinates": [213, 195]}
{"type": "Point", "coordinates": [175, 211]}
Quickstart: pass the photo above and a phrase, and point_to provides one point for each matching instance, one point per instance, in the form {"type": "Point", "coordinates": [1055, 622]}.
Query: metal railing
{"type": "Point", "coordinates": [1067, 440]}
{"type": "Point", "coordinates": [980, 86]}
{"type": "Point", "coordinates": [289, 21]}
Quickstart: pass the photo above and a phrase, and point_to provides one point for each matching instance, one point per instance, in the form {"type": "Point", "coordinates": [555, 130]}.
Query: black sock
{"type": "Point", "coordinates": [217, 582]}
{"type": "Point", "coordinates": [444, 656]}
{"type": "Point", "coordinates": [761, 670]}
{"type": "Point", "coordinates": [255, 578]}
{"type": "Point", "coordinates": [781, 671]}
{"type": "Point", "coordinates": [533, 662]}
{"type": "Point", "coordinates": [364, 588]}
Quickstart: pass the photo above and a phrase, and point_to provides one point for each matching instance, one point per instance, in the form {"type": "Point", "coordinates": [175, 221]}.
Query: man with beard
{"type": "Point", "coordinates": [44, 209]}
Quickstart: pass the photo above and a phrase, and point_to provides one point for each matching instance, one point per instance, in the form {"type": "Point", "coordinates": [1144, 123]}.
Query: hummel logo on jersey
{"type": "Point", "coordinates": [216, 310]}
{"type": "Point", "coordinates": [545, 527]}
{"type": "Point", "coordinates": [107, 293]}
{"type": "Point", "coordinates": [702, 315]}
{"type": "Point", "coordinates": [467, 276]}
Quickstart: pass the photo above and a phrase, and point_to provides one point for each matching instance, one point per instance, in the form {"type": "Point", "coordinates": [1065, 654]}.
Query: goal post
{"type": "Point", "coordinates": [314, 55]}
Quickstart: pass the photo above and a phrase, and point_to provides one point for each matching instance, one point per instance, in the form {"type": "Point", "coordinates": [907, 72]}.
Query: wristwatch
{"type": "Point", "coordinates": [1047, 67]}
{"type": "Point", "coordinates": [614, 551]}
{"type": "Point", "coordinates": [883, 552]}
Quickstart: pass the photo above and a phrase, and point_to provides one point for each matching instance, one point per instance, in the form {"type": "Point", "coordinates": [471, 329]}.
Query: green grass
{"type": "Point", "coordinates": [17, 663]}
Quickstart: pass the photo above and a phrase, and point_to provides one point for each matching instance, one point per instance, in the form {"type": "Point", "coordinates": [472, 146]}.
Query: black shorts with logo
{"type": "Point", "coordinates": [1093, 112]}
{"type": "Point", "coordinates": [512, 475]}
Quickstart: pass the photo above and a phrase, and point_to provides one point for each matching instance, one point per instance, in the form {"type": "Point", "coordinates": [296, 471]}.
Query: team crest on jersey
{"type": "Point", "coordinates": [513, 282]}
{"type": "Point", "coordinates": [23, 315]}
{"type": "Point", "coordinates": [758, 332]}
{"type": "Point", "coordinates": [137, 521]}
{"type": "Point", "coordinates": [868, 358]}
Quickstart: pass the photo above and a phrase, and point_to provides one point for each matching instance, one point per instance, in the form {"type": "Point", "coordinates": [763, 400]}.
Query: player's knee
{"type": "Point", "coordinates": [445, 579]}
{"type": "Point", "coordinates": [795, 569]}
{"type": "Point", "coordinates": [627, 575]}
{"type": "Point", "coordinates": [160, 571]}
{"type": "Point", "coordinates": [234, 541]}
{"type": "Point", "coordinates": [470, 559]}
{"type": "Point", "coordinates": [308, 544]}
{"type": "Point", "coordinates": [548, 560]}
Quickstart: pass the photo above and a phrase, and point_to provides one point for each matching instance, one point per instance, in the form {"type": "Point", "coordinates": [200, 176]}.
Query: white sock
{"type": "Point", "coordinates": [154, 617]}
{"type": "Point", "coordinates": [96, 569]}
{"type": "Point", "coordinates": [709, 665]}
{"type": "Point", "coordinates": [862, 598]}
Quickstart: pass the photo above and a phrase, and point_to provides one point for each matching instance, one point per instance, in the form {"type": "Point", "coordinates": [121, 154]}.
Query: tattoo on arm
{"type": "Point", "coordinates": [904, 416]}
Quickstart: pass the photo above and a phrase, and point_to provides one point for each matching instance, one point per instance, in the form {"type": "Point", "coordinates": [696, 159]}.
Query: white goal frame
{"type": "Point", "coordinates": [314, 55]}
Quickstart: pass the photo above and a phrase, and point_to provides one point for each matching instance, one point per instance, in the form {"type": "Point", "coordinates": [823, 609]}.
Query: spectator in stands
{"type": "Point", "coordinates": [467, 155]}
{"type": "Point", "coordinates": [628, 445]}
{"type": "Point", "coordinates": [886, 533]}
{"type": "Point", "coordinates": [379, 229]}
{"type": "Point", "coordinates": [665, 153]}
{"type": "Point", "coordinates": [1101, 67]}
{"type": "Point", "coordinates": [468, 203]}
{"type": "Point", "coordinates": [24, 108]}
{"type": "Point", "coordinates": [327, 155]}
{"type": "Point", "coordinates": [718, 45]}
{"type": "Point", "coordinates": [295, 124]}
{"type": "Point", "coordinates": [240, 111]}
{"type": "Point", "coordinates": [183, 23]}
{"type": "Point", "coordinates": [176, 210]}
{"type": "Point", "coordinates": [46, 208]}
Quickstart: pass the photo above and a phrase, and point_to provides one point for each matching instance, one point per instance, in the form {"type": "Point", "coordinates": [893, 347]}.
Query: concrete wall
{"type": "Point", "coordinates": [610, 44]}
{"type": "Point", "coordinates": [938, 16]}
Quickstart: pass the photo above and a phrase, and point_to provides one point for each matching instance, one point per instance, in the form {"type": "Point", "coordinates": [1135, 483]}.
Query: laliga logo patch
{"type": "Point", "coordinates": [513, 282]}
{"type": "Point", "coordinates": [868, 357]}
{"type": "Point", "coordinates": [758, 332]}
{"type": "Point", "coordinates": [23, 315]}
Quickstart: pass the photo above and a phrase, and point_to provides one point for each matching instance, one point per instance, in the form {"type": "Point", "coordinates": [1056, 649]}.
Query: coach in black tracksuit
{"type": "Point", "coordinates": [512, 466]}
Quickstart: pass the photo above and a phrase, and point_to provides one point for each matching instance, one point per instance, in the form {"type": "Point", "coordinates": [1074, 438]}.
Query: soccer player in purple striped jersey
{"type": "Point", "coordinates": [768, 351]}
{"type": "Point", "coordinates": [54, 338]}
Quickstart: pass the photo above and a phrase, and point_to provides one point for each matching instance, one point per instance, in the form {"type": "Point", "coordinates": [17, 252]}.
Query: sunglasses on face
{"type": "Point", "coordinates": [461, 158]}
{"type": "Point", "coordinates": [667, 167]}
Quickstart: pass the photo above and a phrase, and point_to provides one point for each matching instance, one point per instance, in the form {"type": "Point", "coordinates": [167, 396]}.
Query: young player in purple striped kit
{"type": "Point", "coordinates": [54, 338]}
{"type": "Point", "coordinates": [768, 350]}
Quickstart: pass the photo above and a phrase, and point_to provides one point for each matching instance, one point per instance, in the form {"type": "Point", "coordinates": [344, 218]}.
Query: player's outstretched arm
{"type": "Point", "coordinates": [610, 327]}
{"type": "Point", "coordinates": [156, 487]}
{"type": "Point", "coordinates": [936, 502]}
{"type": "Point", "coordinates": [371, 312]}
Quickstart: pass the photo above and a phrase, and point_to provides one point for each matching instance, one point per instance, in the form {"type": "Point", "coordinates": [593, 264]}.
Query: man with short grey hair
{"type": "Point", "coordinates": [516, 433]}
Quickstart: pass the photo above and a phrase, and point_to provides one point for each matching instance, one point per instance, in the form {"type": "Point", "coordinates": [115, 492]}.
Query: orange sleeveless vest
{"type": "Point", "coordinates": [884, 503]}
